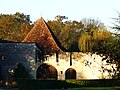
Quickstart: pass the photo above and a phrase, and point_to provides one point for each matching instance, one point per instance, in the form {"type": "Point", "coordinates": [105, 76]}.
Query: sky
{"type": "Point", "coordinates": [103, 10]}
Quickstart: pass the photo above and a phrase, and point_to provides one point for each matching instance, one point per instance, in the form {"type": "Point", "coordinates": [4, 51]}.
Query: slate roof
{"type": "Point", "coordinates": [5, 41]}
{"type": "Point", "coordinates": [44, 37]}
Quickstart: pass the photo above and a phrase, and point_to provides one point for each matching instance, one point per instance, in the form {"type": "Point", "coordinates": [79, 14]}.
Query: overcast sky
{"type": "Point", "coordinates": [73, 9]}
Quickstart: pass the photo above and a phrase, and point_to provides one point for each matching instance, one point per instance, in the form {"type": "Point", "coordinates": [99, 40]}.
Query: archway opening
{"type": "Point", "coordinates": [46, 71]}
{"type": "Point", "coordinates": [70, 73]}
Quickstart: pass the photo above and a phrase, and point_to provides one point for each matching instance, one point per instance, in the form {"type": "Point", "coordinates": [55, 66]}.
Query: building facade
{"type": "Point", "coordinates": [43, 56]}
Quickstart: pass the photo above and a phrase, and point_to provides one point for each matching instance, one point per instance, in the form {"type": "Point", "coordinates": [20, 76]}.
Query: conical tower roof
{"type": "Point", "coordinates": [43, 36]}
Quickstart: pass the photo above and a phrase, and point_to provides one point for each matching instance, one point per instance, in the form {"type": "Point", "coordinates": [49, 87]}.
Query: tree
{"type": "Point", "coordinates": [93, 32]}
{"type": "Point", "coordinates": [111, 49]}
{"type": "Point", "coordinates": [90, 41]}
{"type": "Point", "coordinates": [56, 27]}
{"type": "Point", "coordinates": [60, 18]}
{"type": "Point", "coordinates": [14, 27]}
{"type": "Point", "coordinates": [70, 34]}
{"type": "Point", "coordinates": [67, 32]}
{"type": "Point", "coordinates": [20, 72]}
{"type": "Point", "coordinates": [105, 44]}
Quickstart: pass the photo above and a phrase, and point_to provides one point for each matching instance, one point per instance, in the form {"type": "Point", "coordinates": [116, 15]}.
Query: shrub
{"type": "Point", "coordinates": [59, 84]}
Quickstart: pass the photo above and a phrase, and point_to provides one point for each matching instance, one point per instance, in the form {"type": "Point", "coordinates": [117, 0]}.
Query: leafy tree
{"type": "Point", "coordinates": [111, 49]}
{"type": "Point", "coordinates": [93, 32]}
{"type": "Point", "coordinates": [74, 34]}
{"type": "Point", "coordinates": [67, 32]}
{"type": "Point", "coordinates": [56, 27]}
{"type": "Point", "coordinates": [70, 34]}
{"type": "Point", "coordinates": [20, 72]}
{"type": "Point", "coordinates": [14, 27]}
{"type": "Point", "coordinates": [105, 44]}
{"type": "Point", "coordinates": [60, 18]}
{"type": "Point", "coordinates": [90, 41]}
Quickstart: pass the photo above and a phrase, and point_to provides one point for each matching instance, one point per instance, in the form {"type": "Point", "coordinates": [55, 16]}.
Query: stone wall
{"type": "Point", "coordinates": [87, 66]}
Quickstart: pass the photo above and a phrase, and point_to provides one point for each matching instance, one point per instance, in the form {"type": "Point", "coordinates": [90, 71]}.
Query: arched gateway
{"type": "Point", "coordinates": [70, 74]}
{"type": "Point", "coordinates": [46, 71]}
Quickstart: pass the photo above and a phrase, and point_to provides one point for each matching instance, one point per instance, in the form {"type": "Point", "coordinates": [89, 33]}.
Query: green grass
{"type": "Point", "coordinates": [97, 88]}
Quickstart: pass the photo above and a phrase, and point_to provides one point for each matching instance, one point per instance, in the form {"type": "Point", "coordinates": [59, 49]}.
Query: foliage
{"type": "Point", "coordinates": [60, 18]}
{"type": "Point", "coordinates": [56, 27]}
{"type": "Point", "coordinates": [94, 31]}
{"type": "Point", "coordinates": [110, 49]}
{"type": "Point", "coordinates": [67, 32]}
{"type": "Point", "coordinates": [14, 27]}
{"type": "Point", "coordinates": [89, 42]}
{"type": "Point", "coordinates": [20, 72]}
{"type": "Point", "coordinates": [87, 35]}
{"type": "Point", "coordinates": [74, 34]}
{"type": "Point", "coordinates": [66, 84]}
{"type": "Point", "coordinates": [70, 34]}
{"type": "Point", "coordinates": [113, 49]}
{"type": "Point", "coordinates": [90, 36]}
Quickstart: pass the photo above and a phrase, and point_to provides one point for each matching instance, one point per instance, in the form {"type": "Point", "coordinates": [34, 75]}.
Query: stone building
{"type": "Point", "coordinates": [12, 53]}
{"type": "Point", "coordinates": [44, 57]}
{"type": "Point", "coordinates": [63, 64]}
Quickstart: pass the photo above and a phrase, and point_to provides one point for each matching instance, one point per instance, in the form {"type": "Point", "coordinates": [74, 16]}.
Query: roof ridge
{"type": "Point", "coordinates": [53, 36]}
{"type": "Point", "coordinates": [43, 36]}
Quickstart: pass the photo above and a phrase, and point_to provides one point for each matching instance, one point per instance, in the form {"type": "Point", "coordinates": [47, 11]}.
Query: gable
{"type": "Point", "coordinates": [41, 35]}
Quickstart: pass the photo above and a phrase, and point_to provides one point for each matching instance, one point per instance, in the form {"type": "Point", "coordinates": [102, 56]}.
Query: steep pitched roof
{"type": "Point", "coordinates": [44, 37]}
{"type": "Point", "coordinates": [5, 41]}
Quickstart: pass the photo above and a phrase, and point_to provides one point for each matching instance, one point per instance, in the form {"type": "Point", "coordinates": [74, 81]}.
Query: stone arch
{"type": "Point", "coordinates": [46, 71]}
{"type": "Point", "coordinates": [70, 73]}
{"type": "Point", "coordinates": [20, 71]}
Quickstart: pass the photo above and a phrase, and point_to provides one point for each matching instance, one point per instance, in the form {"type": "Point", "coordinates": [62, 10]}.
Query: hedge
{"type": "Point", "coordinates": [28, 84]}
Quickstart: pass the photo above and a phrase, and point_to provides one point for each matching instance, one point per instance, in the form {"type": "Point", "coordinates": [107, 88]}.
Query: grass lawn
{"type": "Point", "coordinates": [82, 88]}
{"type": "Point", "coordinates": [96, 88]}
